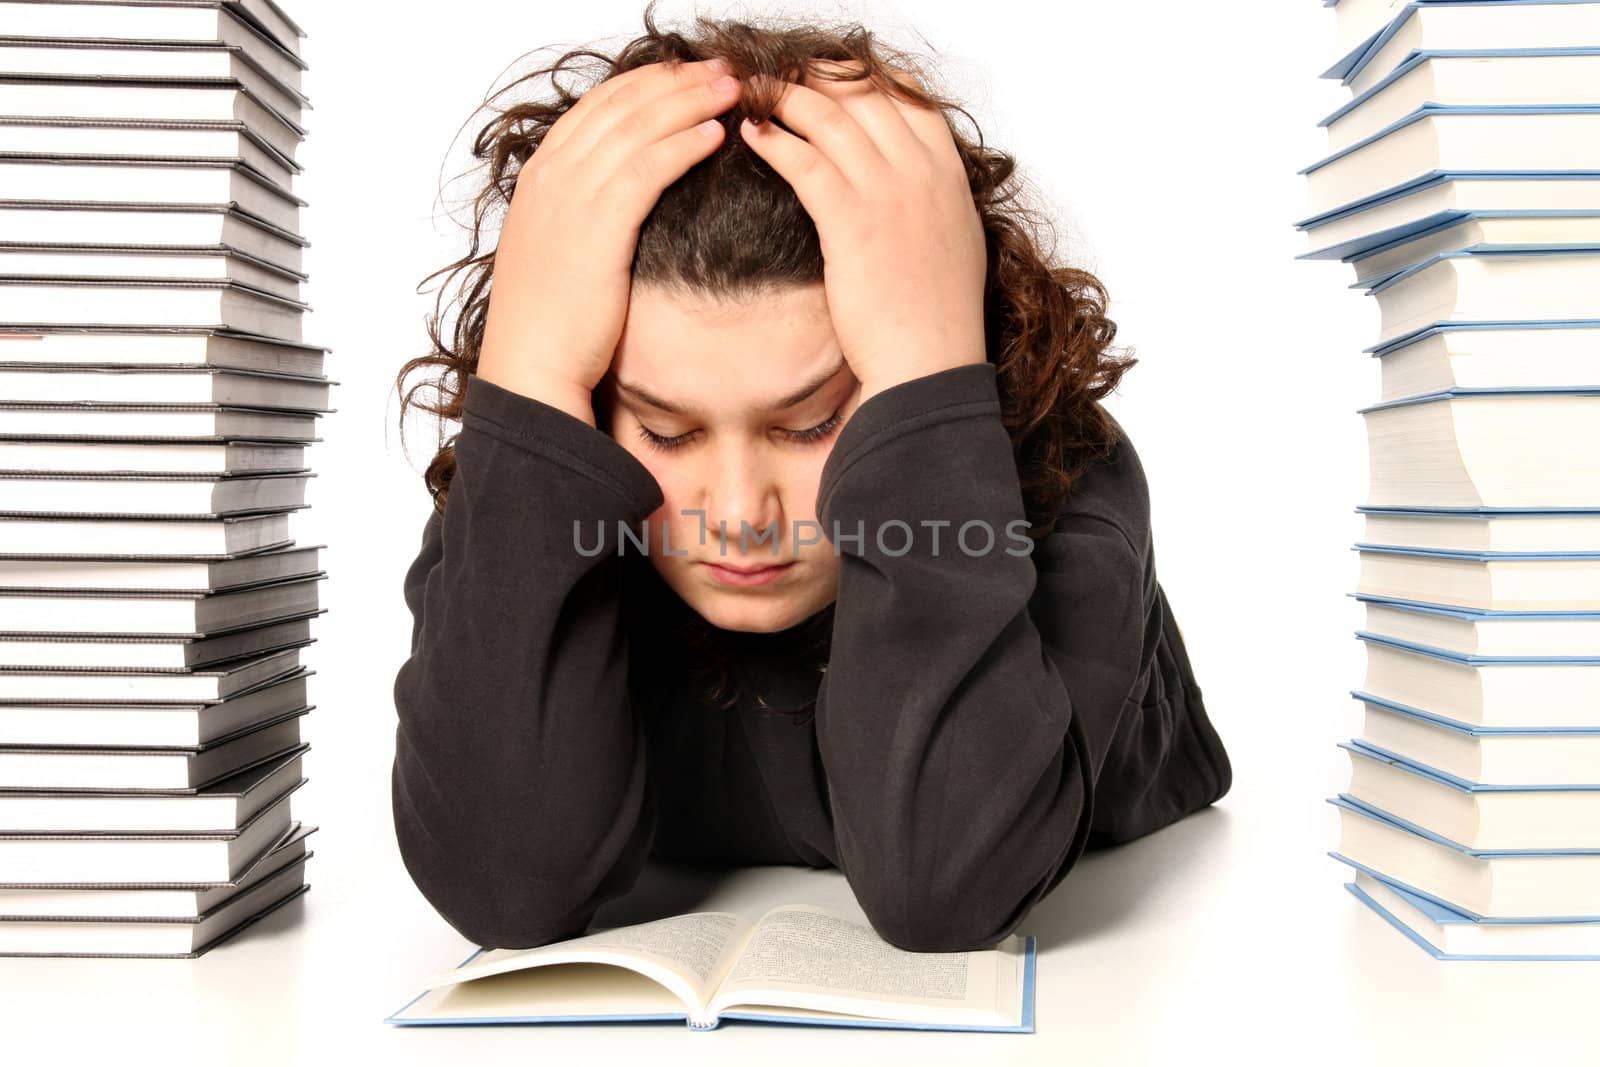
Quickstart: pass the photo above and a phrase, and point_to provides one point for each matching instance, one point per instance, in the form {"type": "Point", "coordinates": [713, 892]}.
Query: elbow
{"type": "Point", "coordinates": [507, 859]}
{"type": "Point", "coordinates": [968, 922]}
{"type": "Point", "coordinates": [492, 907]}
{"type": "Point", "coordinates": [486, 920]}
{"type": "Point", "coordinates": [933, 932]}
{"type": "Point", "coordinates": [933, 912]}
{"type": "Point", "coordinates": [973, 899]}
{"type": "Point", "coordinates": [487, 890]}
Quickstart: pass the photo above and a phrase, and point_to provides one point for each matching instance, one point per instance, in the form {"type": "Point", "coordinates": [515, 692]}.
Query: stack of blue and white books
{"type": "Point", "coordinates": [156, 402]}
{"type": "Point", "coordinates": [1462, 183]}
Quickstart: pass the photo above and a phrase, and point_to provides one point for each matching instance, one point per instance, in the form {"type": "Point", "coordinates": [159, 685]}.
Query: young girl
{"type": "Point", "coordinates": [784, 524]}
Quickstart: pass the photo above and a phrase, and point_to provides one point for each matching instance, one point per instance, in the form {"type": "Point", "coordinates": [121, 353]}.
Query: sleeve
{"type": "Point", "coordinates": [519, 786]}
{"type": "Point", "coordinates": [960, 737]}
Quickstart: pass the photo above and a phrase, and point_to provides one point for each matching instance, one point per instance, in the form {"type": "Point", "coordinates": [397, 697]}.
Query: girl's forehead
{"type": "Point", "coordinates": [693, 356]}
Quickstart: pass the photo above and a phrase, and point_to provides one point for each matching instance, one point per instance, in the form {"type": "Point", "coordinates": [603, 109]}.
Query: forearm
{"type": "Point", "coordinates": [958, 781]}
{"type": "Point", "coordinates": [519, 773]}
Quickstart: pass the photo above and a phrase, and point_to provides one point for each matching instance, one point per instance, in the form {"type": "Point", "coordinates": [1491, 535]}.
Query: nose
{"type": "Point", "coordinates": [743, 489]}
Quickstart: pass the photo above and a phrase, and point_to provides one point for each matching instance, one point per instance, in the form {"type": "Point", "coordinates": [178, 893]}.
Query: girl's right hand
{"type": "Point", "coordinates": [562, 281]}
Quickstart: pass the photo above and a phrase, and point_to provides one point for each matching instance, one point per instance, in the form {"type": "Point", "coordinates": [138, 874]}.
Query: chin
{"type": "Point", "coordinates": [750, 611]}
{"type": "Point", "coordinates": [755, 614]}
{"type": "Point", "coordinates": [748, 615]}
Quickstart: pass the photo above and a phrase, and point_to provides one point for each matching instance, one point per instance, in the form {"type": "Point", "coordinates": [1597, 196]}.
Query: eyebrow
{"type": "Point", "coordinates": [789, 401]}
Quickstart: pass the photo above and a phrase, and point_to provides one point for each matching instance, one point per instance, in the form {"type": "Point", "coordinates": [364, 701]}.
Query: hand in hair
{"type": "Point", "coordinates": [562, 266]}
{"type": "Point", "coordinates": [902, 242]}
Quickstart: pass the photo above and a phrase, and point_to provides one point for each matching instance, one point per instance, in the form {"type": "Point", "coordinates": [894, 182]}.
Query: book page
{"type": "Point", "coordinates": [810, 950]}
{"type": "Point", "coordinates": [570, 991]}
{"type": "Point", "coordinates": [689, 953]}
{"type": "Point", "coordinates": [695, 945]}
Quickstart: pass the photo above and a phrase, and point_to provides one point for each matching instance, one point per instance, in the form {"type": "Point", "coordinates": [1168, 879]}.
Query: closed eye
{"type": "Point", "coordinates": [806, 436]}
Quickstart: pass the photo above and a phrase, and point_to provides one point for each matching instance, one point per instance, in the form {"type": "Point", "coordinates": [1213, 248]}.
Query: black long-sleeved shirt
{"type": "Point", "coordinates": [983, 718]}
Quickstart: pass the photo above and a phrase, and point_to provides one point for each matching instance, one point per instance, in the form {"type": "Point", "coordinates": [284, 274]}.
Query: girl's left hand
{"type": "Point", "coordinates": [903, 247]}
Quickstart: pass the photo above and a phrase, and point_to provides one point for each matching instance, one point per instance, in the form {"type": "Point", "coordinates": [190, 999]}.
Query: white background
{"type": "Point", "coordinates": [1166, 138]}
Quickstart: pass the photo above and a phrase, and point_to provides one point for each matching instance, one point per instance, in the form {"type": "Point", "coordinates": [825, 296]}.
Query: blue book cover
{"type": "Point", "coordinates": [1459, 390]}
{"type": "Point", "coordinates": [1377, 281]}
{"type": "Point", "coordinates": [1472, 659]}
{"type": "Point", "coordinates": [1444, 913]}
{"type": "Point", "coordinates": [1015, 969]}
{"type": "Point", "coordinates": [1468, 253]}
{"type": "Point", "coordinates": [1377, 285]}
{"type": "Point", "coordinates": [1367, 750]}
{"type": "Point", "coordinates": [1354, 53]}
{"type": "Point", "coordinates": [1463, 913]}
{"type": "Point", "coordinates": [1432, 107]}
{"type": "Point", "coordinates": [1440, 227]}
{"type": "Point", "coordinates": [1445, 917]}
{"type": "Point", "coordinates": [1472, 554]}
{"type": "Point", "coordinates": [1476, 509]}
{"type": "Point", "coordinates": [1430, 110]}
{"type": "Point", "coordinates": [1423, 182]}
{"type": "Point", "coordinates": [1365, 247]}
{"type": "Point", "coordinates": [1468, 729]}
{"type": "Point", "coordinates": [1470, 614]}
{"type": "Point", "coordinates": [1352, 248]}
{"type": "Point", "coordinates": [1342, 66]}
{"type": "Point", "coordinates": [1360, 807]}
{"type": "Point", "coordinates": [1386, 347]}
{"type": "Point", "coordinates": [1420, 56]}
{"type": "Point", "coordinates": [1350, 65]}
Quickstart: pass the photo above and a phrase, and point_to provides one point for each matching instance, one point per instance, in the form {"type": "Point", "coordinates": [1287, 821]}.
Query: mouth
{"type": "Point", "coordinates": [757, 575]}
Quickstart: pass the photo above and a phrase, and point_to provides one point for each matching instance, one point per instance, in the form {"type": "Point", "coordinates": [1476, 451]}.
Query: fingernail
{"type": "Point", "coordinates": [720, 66]}
{"type": "Point", "coordinates": [724, 83]}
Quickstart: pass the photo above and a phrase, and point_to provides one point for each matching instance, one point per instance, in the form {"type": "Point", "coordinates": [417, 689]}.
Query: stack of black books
{"type": "Point", "coordinates": [156, 401]}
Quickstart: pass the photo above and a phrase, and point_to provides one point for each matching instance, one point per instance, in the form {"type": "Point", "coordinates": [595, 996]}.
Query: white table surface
{"type": "Point", "coordinates": [1225, 938]}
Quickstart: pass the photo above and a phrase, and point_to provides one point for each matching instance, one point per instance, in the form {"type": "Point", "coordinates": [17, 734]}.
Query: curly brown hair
{"type": "Point", "coordinates": [732, 226]}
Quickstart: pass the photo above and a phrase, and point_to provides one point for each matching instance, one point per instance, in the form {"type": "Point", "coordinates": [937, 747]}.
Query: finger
{"type": "Point", "coordinates": [627, 125]}
{"type": "Point", "coordinates": [875, 112]}
{"type": "Point", "coordinates": [933, 129]}
{"type": "Point", "coordinates": [928, 123]}
{"type": "Point", "coordinates": [816, 181]}
{"type": "Point", "coordinates": [903, 77]}
{"type": "Point", "coordinates": [827, 127]}
{"type": "Point", "coordinates": [820, 77]}
{"type": "Point", "coordinates": [595, 99]}
{"type": "Point", "coordinates": [637, 185]}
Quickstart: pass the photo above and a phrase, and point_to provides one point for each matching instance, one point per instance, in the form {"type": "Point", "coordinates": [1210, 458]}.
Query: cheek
{"type": "Point", "coordinates": [801, 498]}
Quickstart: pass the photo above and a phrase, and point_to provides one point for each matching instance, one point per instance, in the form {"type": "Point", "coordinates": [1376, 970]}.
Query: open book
{"type": "Point", "coordinates": [797, 963]}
